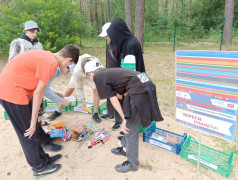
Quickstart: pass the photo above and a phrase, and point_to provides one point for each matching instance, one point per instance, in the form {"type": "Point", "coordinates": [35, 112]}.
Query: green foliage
{"type": "Point", "coordinates": [60, 21]}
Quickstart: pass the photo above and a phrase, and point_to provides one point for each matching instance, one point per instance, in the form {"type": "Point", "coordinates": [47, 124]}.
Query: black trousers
{"type": "Point", "coordinates": [112, 112]}
{"type": "Point", "coordinates": [20, 117]}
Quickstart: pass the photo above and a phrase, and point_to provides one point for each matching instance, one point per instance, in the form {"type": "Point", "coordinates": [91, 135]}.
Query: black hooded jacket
{"type": "Point", "coordinates": [23, 36]}
{"type": "Point", "coordinates": [126, 42]}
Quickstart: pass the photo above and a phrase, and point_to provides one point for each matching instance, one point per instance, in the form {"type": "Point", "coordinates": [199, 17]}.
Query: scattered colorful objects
{"type": "Point", "coordinates": [54, 133]}
{"type": "Point", "coordinates": [88, 110]}
{"type": "Point", "coordinates": [99, 139]}
{"type": "Point", "coordinates": [59, 124]}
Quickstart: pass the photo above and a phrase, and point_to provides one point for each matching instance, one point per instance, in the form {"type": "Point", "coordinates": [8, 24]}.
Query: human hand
{"type": "Point", "coordinates": [119, 96]}
{"type": "Point", "coordinates": [29, 132]}
{"type": "Point", "coordinates": [124, 128]}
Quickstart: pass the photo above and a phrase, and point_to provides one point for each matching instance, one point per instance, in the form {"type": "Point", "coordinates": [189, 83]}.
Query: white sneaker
{"type": "Point", "coordinates": [44, 116]}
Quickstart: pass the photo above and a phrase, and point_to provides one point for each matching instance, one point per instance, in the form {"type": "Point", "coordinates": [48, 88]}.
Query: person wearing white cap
{"type": "Point", "coordinates": [140, 106]}
{"type": "Point", "coordinates": [27, 41]}
{"type": "Point", "coordinates": [112, 61]}
{"type": "Point", "coordinates": [77, 81]}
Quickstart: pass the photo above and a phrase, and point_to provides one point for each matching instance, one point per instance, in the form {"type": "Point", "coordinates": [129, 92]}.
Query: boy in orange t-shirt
{"type": "Point", "coordinates": [24, 77]}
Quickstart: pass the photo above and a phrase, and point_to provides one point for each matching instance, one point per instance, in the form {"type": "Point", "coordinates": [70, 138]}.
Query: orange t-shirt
{"type": "Point", "coordinates": [21, 75]}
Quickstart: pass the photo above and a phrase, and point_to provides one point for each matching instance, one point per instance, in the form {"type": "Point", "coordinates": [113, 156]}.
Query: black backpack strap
{"type": "Point", "coordinates": [112, 55]}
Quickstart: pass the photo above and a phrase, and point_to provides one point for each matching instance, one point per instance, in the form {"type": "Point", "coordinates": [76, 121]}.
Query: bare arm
{"type": "Point", "coordinates": [37, 99]}
{"type": "Point", "coordinates": [116, 104]}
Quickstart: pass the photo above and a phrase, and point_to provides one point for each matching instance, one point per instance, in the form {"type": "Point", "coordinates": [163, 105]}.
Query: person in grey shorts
{"type": "Point", "coordinates": [140, 106]}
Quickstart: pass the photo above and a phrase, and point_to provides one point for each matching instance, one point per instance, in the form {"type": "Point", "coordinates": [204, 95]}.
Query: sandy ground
{"type": "Point", "coordinates": [98, 163]}
{"type": "Point", "coordinates": [79, 162]}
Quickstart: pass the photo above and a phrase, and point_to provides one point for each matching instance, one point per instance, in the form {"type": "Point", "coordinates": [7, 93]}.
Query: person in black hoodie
{"type": "Point", "coordinates": [112, 61]}
{"type": "Point", "coordinates": [131, 56]}
{"type": "Point", "coordinates": [128, 45]}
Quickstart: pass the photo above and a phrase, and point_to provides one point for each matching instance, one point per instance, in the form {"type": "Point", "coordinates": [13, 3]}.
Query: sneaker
{"type": "Point", "coordinates": [126, 167]}
{"type": "Point", "coordinates": [96, 118]}
{"type": "Point", "coordinates": [44, 116]}
{"type": "Point", "coordinates": [106, 116]}
{"type": "Point", "coordinates": [49, 169]}
{"type": "Point", "coordinates": [122, 133]}
{"type": "Point", "coordinates": [116, 126]}
{"type": "Point", "coordinates": [50, 147]}
{"type": "Point", "coordinates": [54, 159]}
{"type": "Point", "coordinates": [118, 151]}
{"type": "Point", "coordinates": [55, 115]}
{"type": "Point", "coordinates": [119, 138]}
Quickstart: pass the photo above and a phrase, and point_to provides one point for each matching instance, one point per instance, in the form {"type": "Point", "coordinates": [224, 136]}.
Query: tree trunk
{"type": "Point", "coordinates": [150, 13]}
{"type": "Point", "coordinates": [166, 7]}
{"type": "Point", "coordinates": [139, 22]}
{"type": "Point", "coordinates": [102, 12]}
{"type": "Point", "coordinates": [177, 7]}
{"type": "Point", "coordinates": [162, 5]}
{"type": "Point", "coordinates": [172, 11]}
{"type": "Point", "coordinates": [158, 5]}
{"type": "Point", "coordinates": [81, 7]}
{"type": "Point", "coordinates": [128, 11]}
{"type": "Point", "coordinates": [96, 15]}
{"type": "Point", "coordinates": [229, 15]}
{"type": "Point", "coordinates": [91, 17]}
{"type": "Point", "coordinates": [108, 11]}
{"type": "Point", "coordinates": [189, 10]}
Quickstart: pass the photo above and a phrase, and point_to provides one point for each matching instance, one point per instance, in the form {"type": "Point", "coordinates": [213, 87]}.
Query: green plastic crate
{"type": "Point", "coordinates": [218, 161]}
{"type": "Point", "coordinates": [51, 106]}
{"type": "Point", "coordinates": [74, 104]}
{"type": "Point", "coordinates": [77, 106]}
{"type": "Point", "coordinates": [6, 116]}
{"type": "Point", "coordinates": [142, 129]}
{"type": "Point", "coordinates": [103, 109]}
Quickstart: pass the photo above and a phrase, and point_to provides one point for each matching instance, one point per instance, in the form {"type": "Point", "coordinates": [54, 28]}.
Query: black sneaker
{"type": "Point", "coordinates": [116, 126]}
{"type": "Point", "coordinates": [126, 167]}
{"type": "Point", "coordinates": [119, 138]}
{"type": "Point", "coordinates": [55, 115]}
{"type": "Point", "coordinates": [96, 118]}
{"type": "Point", "coordinates": [49, 169]}
{"type": "Point", "coordinates": [122, 133]}
{"type": "Point", "coordinates": [54, 159]}
{"type": "Point", "coordinates": [106, 116]}
{"type": "Point", "coordinates": [50, 147]}
{"type": "Point", "coordinates": [118, 151]}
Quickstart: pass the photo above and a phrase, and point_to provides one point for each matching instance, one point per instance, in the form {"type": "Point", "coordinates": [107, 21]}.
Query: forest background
{"type": "Point", "coordinates": [70, 21]}
{"type": "Point", "coordinates": [198, 25]}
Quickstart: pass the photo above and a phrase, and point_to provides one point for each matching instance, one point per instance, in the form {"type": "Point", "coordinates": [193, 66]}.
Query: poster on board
{"type": "Point", "coordinates": [207, 91]}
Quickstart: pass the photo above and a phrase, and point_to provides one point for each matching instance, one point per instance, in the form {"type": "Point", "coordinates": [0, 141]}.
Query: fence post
{"type": "Point", "coordinates": [174, 34]}
{"type": "Point", "coordinates": [222, 32]}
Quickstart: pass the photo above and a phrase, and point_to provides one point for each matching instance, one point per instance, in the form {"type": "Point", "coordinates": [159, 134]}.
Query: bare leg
{"type": "Point", "coordinates": [67, 93]}
{"type": "Point", "coordinates": [96, 100]}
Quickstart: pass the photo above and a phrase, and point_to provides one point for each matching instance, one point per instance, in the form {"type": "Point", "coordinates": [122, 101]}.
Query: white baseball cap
{"type": "Point", "coordinates": [31, 25]}
{"type": "Point", "coordinates": [92, 66]}
{"type": "Point", "coordinates": [104, 30]}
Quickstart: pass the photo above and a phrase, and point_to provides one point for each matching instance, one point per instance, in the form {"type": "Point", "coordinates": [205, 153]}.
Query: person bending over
{"type": "Point", "coordinates": [140, 106]}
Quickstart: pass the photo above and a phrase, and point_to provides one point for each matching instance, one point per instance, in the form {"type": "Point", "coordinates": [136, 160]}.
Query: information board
{"type": "Point", "coordinates": [207, 91]}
